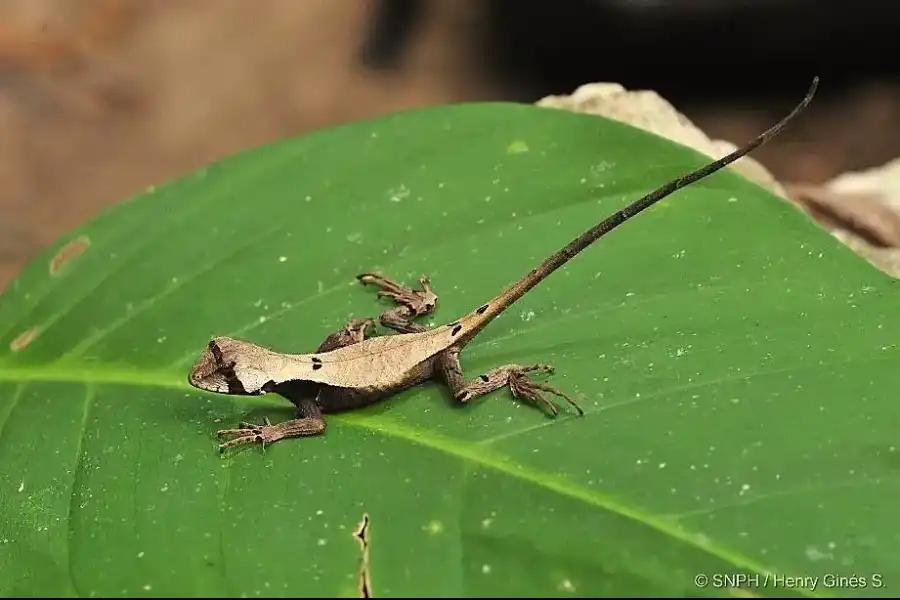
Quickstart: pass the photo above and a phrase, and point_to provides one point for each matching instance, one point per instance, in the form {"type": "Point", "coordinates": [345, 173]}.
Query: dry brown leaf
{"type": "Point", "coordinates": [865, 214]}
{"type": "Point", "coordinates": [862, 209]}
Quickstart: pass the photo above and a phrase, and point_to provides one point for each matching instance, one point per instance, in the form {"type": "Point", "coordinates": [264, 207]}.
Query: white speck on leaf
{"type": "Point", "coordinates": [140, 554]}
{"type": "Point", "coordinates": [485, 569]}
{"type": "Point", "coordinates": [601, 167]}
{"type": "Point", "coordinates": [147, 587]}
{"type": "Point", "coordinates": [164, 488]}
{"type": "Point", "coordinates": [434, 527]}
{"type": "Point", "coordinates": [814, 554]}
{"type": "Point", "coordinates": [566, 585]}
{"type": "Point", "coordinates": [732, 199]}
{"type": "Point", "coordinates": [282, 258]}
{"type": "Point", "coordinates": [517, 147]}
{"type": "Point", "coordinates": [322, 541]}
{"type": "Point", "coordinates": [355, 237]}
{"type": "Point", "coordinates": [398, 194]}
{"type": "Point", "coordinates": [527, 315]}
{"type": "Point", "coordinates": [22, 486]}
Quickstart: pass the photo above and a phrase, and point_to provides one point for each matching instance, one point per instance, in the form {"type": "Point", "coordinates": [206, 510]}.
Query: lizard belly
{"type": "Point", "coordinates": [333, 399]}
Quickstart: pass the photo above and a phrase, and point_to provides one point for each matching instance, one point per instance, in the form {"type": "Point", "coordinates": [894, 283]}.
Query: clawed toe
{"type": "Point", "coordinates": [358, 329]}
{"type": "Point", "coordinates": [245, 433]}
{"type": "Point", "coordinates": [523, 387]}
{"type": "Point", "coordinates": [420, 302]}
{"type": "Point", "coordinates": [538, 369]}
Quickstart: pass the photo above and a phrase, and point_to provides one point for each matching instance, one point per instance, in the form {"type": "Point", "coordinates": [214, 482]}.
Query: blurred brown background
{"type": "Point", "coordinates": [101, 98]}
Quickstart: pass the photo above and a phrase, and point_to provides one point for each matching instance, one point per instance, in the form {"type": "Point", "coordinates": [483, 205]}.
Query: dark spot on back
{"type": "Point", "coordinates": [481, 309]}
{"type": "Point", "coordinates": [456, 330]}
{"type": "Point", "coordinates": [316, 360]}
{"type": "Point", "coordinates": [317, 365]}
{"type": "Point", "coordinates": [484, 378]}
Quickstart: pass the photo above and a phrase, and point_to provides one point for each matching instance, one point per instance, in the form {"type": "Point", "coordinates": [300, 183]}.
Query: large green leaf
{"type": "Point", "coordinates": [737, 364]}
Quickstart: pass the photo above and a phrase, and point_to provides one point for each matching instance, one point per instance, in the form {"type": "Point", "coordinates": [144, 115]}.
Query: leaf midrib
{"type": "Point", "coordinates": [471, 453]}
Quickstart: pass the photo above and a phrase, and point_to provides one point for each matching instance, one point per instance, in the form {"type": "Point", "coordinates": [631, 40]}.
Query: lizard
{"type": "Point", "coordinates": [351, 368]}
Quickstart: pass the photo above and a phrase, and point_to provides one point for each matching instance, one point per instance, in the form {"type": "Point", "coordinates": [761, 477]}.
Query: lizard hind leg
{"type": "Point", "coordinates": [514, 376]}
{"type": "Point", "coordinates": [411, 304]}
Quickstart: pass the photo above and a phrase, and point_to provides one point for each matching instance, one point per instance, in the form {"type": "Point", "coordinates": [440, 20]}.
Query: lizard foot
{"type": "Point", "coordinates": [353, 333]}
{"type": "Point", "coordinates": [251, 433]}
{"type": "Point", "coordinates": [514, 376]}
{"type": "Point", "coordinates": [419, 302]}
{"type": "Point", "coordinates": [523, 387]}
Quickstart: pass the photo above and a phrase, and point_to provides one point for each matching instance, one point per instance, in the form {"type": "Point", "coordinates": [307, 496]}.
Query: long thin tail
{"type": "Point", "coordinates": [478, 320]}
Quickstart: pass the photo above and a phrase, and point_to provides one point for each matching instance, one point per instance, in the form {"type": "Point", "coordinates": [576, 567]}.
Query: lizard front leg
{"type": "Point", "coordinates": [309, 422]}
{"type": "Point", "coordinates": [515, 376]}
{"type": "Point", "coordinates": [411, 304]}
{"type": "Point", "coordinates": [309, 419]}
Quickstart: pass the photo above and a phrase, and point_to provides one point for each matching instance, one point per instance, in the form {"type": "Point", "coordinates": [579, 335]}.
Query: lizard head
{"type": "Point", "coordinates": [229, 366]}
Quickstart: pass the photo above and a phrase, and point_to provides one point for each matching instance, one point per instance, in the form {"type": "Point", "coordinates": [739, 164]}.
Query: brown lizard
{"type": "Point", "coordinates": [350, 369]}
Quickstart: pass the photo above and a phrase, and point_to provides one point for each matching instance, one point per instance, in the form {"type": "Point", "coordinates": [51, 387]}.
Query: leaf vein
{"type": "Point", "coordinates": [77, 474]}
{"type": "Point", "coordinates": [784, 493]}
{"type": "Point", "coordinates": [557, 484]}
